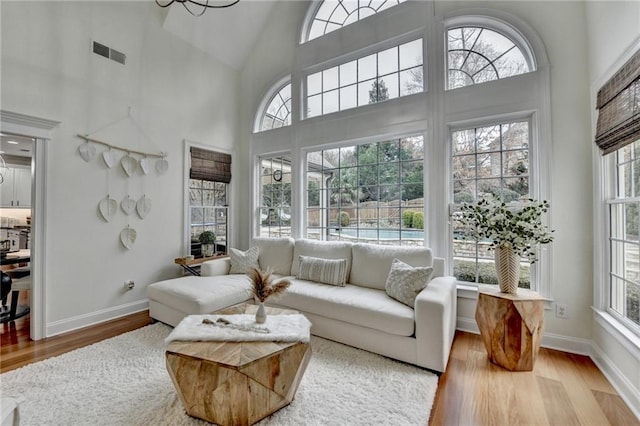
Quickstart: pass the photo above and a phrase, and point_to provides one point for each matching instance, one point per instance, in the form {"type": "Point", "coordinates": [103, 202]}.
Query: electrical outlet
{"type": "Point", "coordinates": [129, 284]}
{"type": "Point", "coordinates": [562, 311]}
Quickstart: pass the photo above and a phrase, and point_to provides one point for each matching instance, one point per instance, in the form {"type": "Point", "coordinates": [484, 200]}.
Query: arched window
{"type": "Point", "coordinates": [278, 110]}
{"type": "Point", "coordinates": [476, 55]}
{"type": "Point", "coordinates": [335, 14]}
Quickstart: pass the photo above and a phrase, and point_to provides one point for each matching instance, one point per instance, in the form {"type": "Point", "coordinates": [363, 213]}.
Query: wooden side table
{"type": "Point", "coordinates": [193, 265]}
{"type": "Point", "coordinates": [511, 326]}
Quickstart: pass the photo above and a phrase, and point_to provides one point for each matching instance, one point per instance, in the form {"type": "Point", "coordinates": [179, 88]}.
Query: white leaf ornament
{"type": "Point", "coordinates": [110, 158]}
{"type": "Point", "coordinates": [143, 206]}
{"type": "Point", "coordinates": [128, 237]}
{"type": "Point", "coordinates": [162, 166]}
{"type": "Point", "coordinates": [145, 165]}
{"type": "Point", "coordinates": [128, 164]}
{"type": "Point", "coordinates": [108, 207]}
{"type": "Point", "coordinates": [128, 205]}
{"type": "Point", "coordinates": [87, 151]}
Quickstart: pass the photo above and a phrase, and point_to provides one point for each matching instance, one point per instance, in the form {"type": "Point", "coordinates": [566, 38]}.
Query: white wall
{"type": "Point", "coordinates": [614, 33]}
{"type": "Point", "coordinates": [175, 92]}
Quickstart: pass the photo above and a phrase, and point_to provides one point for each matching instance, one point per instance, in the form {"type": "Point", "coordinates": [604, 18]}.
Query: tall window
{"type": "Point", "coordinates": [487, 160]}
{"type": "Point", "coordinates": [275, 196]}
{"type": "Point", "coordinates": [388, 74]}
{"type": "Point", "coordinates": [477, 55]}
{"type": "Point", "coordinates": [369, 193]}
{"type": "Point", "coordinates": [335, 14]}
{"type": "Point", "coordinates": [278, 110]}
{"type": "Point", "coordinates": [209, 177]}
{"type": "Point", "coordinates": [624, 237]}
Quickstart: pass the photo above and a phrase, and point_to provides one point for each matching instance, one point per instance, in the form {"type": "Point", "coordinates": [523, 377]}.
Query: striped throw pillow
{"type": "Point", "coordinates": [325, 271]}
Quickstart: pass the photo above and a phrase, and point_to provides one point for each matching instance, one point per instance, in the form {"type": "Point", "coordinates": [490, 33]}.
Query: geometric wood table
{"type": "Point", "coordinates": [237, 383]}
{"type": "Point", "coordinates": [511, 326]}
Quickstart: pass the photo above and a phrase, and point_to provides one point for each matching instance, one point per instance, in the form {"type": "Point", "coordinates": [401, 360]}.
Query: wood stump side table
{"type": "Point", "coordinates": [236, 383]}
{"type": "Point", "coordinates": [511, 326]}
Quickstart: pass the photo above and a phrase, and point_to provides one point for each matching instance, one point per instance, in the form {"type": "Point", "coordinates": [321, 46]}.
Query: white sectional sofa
{"type": "Point", "coordinates": [360, 313]}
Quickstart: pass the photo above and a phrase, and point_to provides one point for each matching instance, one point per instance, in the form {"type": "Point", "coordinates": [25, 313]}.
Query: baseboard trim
{"type": "Point", "coordinates": [93, 318]}
{"type": "Point", "coordinates": [622, 385]}
{"type": "Point", "coordinates": [552, 341]}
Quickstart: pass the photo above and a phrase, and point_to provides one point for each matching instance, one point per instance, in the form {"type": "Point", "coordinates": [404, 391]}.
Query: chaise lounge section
{"type": "Point", "coordinates": [356, 310]}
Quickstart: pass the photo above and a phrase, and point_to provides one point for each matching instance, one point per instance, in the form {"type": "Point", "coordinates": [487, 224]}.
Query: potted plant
{"type": "Point", "coordinates": [514, 230]}
{"type": "Point", "coordinates": [208, 241]}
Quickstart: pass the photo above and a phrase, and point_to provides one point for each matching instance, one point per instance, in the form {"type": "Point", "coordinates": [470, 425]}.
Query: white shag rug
{"type": "Point", "coordinates": [124, 381]}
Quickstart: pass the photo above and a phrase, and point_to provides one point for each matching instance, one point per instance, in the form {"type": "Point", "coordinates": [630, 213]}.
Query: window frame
{"type": "Point", "coordinates": [313, 10]}
{"type": "Point", "coordinates": [432, 111]}
{"type": "Point", "coordinates": [271, 93]}
{"type": "Point", "coordinates": [230, 233]}
{"type": "Point", "coordinates": [367, 141]}
{"type": "Point", "coordinates": [609, 179]}
{"type": "Point", "coordinates": [532, 176]}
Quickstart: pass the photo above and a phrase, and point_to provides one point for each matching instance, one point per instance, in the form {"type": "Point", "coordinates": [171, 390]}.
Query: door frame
{"type": "Point", "coordinates": [40, 129]}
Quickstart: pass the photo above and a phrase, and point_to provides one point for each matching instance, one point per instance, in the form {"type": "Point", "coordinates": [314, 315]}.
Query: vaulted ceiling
{"type": "Point", "coordinates": [228, 34]}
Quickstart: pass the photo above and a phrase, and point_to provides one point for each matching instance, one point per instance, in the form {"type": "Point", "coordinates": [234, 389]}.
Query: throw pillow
{"type": "Point", "coordinates": [404, 282]}
{"type": "Point", "coordinates": [325, 271]}
{"type": "Point", "coordinates": [241, 261]}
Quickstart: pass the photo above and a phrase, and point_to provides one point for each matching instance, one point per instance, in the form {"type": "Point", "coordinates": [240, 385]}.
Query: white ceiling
{"type": "Point", "coordinates": [227, 34]}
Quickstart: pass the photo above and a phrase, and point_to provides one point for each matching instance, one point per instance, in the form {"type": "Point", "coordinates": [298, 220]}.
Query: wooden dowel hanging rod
{"type": "Point", "coordinates": [130, 151]}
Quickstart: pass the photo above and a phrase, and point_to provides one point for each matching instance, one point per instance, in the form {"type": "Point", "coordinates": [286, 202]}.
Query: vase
{"type": "Point", "coordinates": [261, 315]}
{"type": "Point", "coordinates": [508, 269]}
{"type": "Point", "coordinates": [208, 249]}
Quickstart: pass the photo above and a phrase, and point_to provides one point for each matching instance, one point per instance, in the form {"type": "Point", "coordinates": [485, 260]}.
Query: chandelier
{"type": "Point", "coordinates": [204, 4]}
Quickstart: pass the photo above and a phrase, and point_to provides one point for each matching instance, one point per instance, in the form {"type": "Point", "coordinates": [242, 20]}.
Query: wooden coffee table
{"type": "Point", "coordinates": [237, 383]}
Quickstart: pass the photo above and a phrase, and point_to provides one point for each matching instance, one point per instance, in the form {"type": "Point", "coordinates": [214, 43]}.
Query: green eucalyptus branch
{"type": "Point", "coordinates": [518, 225]}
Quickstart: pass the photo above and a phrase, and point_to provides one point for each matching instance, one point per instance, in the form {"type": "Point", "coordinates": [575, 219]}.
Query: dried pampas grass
{"type": "Point", "coordinates": [264, 285]}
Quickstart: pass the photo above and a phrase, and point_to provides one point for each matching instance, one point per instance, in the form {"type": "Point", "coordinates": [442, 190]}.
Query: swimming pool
{"type": "Point", "coordinates": [380, 234]}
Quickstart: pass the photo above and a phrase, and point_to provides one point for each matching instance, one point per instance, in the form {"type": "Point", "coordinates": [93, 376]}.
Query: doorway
{"type": "Point", "coordinates": [40, 130]}
{"type": "Point", "coordinates": [16, 183]}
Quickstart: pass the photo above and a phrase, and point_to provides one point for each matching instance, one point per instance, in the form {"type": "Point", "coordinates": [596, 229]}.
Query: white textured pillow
{"type": "Point", "coordinates": [326, 271]}
{"type": "Point", "coordinates": [404, 282]}
{"type": "Point", "coordinates": [241, 261]}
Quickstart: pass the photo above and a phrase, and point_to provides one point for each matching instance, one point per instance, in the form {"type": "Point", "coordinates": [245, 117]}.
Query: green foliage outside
{"type": "Point", "coordinates": [345, 219]}
{"type": "Point", "coordinates": [407, 218]}
{"type": "Point", "coordinates": [418, 220]}
{"type": "Point", "coordinates": [465, 270]}
{"type": "Point", "coordinates": [633, 303]}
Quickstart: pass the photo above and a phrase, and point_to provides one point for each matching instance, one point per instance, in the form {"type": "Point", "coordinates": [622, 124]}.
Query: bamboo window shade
{"type": "Point", "coordinates": [210, 165]}
{"type": "Point", "coordinates": [619, 108]}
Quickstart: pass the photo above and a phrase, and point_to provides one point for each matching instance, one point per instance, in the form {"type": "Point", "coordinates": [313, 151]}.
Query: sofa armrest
{"type": "Point", "coordinates": [436, 311]}
{"type": "Point", "coordinates": [215, 267]}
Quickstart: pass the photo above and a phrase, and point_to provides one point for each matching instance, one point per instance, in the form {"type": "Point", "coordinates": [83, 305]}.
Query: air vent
{"type": "Point", "coordinates": [109, 53]}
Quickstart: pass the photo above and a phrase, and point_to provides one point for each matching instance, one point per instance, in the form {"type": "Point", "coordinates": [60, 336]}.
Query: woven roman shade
{"type": "Point", "coordinates": [619, 108]}
{"type": "Point", "coordinates": [210, 165]}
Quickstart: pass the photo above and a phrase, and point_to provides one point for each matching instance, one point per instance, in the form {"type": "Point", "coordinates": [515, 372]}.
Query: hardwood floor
{"type": "Point", "coordinates": [18, 350]}
{"type": "Point", "coordinates": [563, 389]}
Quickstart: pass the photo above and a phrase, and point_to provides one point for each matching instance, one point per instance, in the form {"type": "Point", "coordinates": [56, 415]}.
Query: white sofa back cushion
{"type": "Point", "coordinates": [322, 249]}
{"type": "Point", "coordinates": [275, 253]}
{"type": "Point", "coordinates": [372, 263]}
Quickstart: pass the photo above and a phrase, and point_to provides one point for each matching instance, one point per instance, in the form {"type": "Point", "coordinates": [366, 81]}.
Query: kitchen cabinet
{"type": "Point", "coordinates": [15, 190]}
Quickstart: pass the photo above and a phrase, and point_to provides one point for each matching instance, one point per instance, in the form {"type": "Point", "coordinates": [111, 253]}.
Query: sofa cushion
{"type": "Point", "coordinates": [352, 304]}
{"type": "Point", "coordinates": [405, 282]}
{"type": "Point", "coordinates": [201, 295]}
{"type": "Point", "coordinates": [372, 263]}
{"type": "Point", "coordinates": [325, 271]}
{"type": "Point", "coordinates": [242, 261]}
{"type": "Point", "coordinates": [322, 249]}
{"type": "Point", "coordinates": [275, 253]}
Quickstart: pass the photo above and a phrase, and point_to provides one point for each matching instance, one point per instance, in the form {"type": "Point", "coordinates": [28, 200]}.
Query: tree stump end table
{"type": "Point", "coordinates": [511, 326]}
